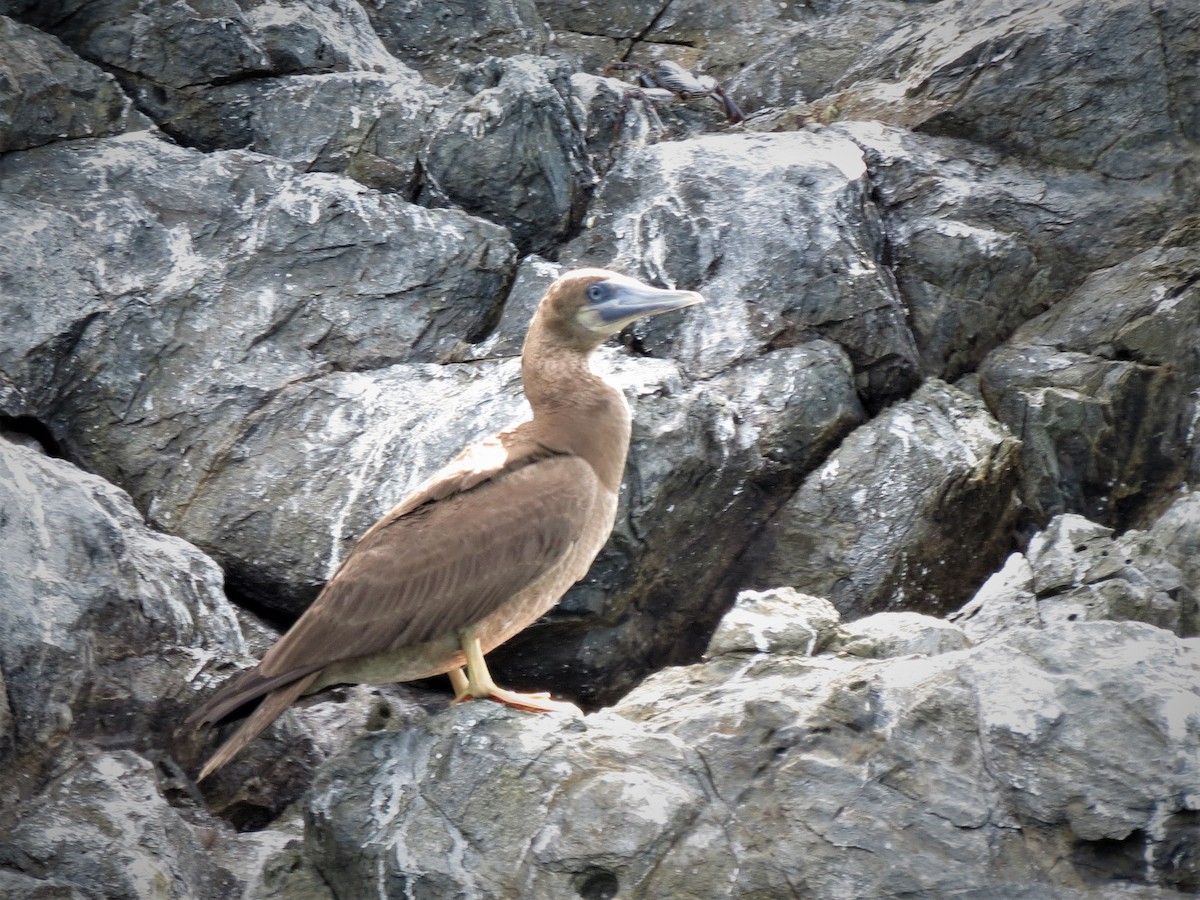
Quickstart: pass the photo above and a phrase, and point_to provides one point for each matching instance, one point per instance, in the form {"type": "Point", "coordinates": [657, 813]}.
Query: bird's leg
{"type": "Point", "coordinates": [479, 683]}
{"type": "Point", "coordinates": [460, 683]}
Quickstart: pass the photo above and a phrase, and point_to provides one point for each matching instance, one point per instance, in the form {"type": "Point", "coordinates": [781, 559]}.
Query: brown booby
{"type": "Point", "coordinates": [485, 546]}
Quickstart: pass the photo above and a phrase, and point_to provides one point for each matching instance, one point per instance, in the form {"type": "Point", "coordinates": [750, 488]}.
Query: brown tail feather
{"type": "Point", "coordinates": [240, 690]}
{"type": "Point", "coordinates": [267, 712]}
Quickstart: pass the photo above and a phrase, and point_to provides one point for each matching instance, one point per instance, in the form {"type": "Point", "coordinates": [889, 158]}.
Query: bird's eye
{"type": "Point", "coordinates": [595, 293]}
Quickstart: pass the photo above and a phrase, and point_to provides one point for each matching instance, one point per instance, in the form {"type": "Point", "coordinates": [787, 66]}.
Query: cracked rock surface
{"type": "Point", "coordinates": [902, 595]}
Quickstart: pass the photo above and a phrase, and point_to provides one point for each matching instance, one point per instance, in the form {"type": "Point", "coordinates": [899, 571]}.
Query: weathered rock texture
{"type": "Point", "coordinates": [264, 265]}
{"type": "Point", "coordinates": [977, 771]}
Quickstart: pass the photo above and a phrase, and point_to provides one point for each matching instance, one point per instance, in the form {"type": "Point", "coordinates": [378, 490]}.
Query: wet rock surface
{"type": "Point", "coordinates": [908, 532]}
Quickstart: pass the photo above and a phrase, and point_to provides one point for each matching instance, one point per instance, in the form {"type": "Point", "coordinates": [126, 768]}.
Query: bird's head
{"type": "Point", "coordinates": [586, 306]}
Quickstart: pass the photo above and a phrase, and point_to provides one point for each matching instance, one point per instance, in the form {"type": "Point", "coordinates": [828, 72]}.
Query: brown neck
{"type": "Point", "coordinates": [574, 410]}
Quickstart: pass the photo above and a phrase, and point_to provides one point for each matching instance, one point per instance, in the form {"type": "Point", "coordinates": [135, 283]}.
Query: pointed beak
{"type": "Point", "coordinates": [617, 302]}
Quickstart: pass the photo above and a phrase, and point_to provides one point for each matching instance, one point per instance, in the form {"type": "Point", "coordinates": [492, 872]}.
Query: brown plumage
{"type": "Point", "coordinates": [482, 548]}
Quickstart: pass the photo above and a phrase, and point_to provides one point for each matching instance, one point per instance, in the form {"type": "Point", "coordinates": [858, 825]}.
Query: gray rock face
{"type": "Point", "coordinates": [1005, 75]}
{"type": "Point", "coordinates": [365, 125]}
{"type": "Point", "coordinates": [107, 628]}
{"type": "Point", "coordinates": [1101, 388]}
{"type": "Point", "coordinates": [69, 834]}
{"type": "Point", "coordinates": [48, 93]}
{"type": "Point", "coordinates": [861, 530]}
{"type": "Point", "coordinates": [511, 153]}
{"type": "Point", "coordinates": [1076, 571]}
{"type": "Point", "coordinates": [979, 244]}
{"type": "Point", "coordinates": [775, 231]}
{"type": "Point", "coordinates": [437, 38]}
{"type": "Point", "coordinates": [264, 265]}
{"type": "Point", "coordinates": [202, 331]}
{"type": "Point", "coordinates": [781, 620]}
{"type": "Point", "coordinates": [983, 760]}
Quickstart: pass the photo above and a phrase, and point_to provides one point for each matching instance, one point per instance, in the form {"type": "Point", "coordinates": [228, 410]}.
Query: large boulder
{"type": "Point", "coordinates": [1106, 87]}
{"type": "Point", "coordinates": [1102, 388]}
{"type": "Point", "coordinates": [776, 230]}
{"type": "Point", "coordinates": [510, 152]}
{"type": "Point", "coordinates": [438, 38]}
{"type": "Point", "coordinates": [1015, 768]}
{"type": "Point", "coordinates": [47, 93]}
{"type": "Point", "coordinates": [107, 628]}
{"type": "Point", "coordinates": [202, 302]}
{"type": "Point", "coordinates": [1078, 571]}
{"type": "Point", "coordinates": [979, 243]}
{"type": "Point", "coordinates": [912, 510]}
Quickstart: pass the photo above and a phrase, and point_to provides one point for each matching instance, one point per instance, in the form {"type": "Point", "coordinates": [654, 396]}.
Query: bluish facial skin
{"type": "Point", "coordinates": [615, 302]}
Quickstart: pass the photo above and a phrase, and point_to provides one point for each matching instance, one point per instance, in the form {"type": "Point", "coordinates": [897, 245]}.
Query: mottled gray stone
{"type": "Point", "coordinates": [775, 230]}
{"type": "Point", "coordinates": [625, 20]}
{"type": "Point", "coordinates": [365, 125]}
{"type": "Point", "coordinates": [1008, 769]}
{"type": "Point", "coordinates": [160, 46]}
{"type": "Point", "coordinates": [1006, 600]}
{"type": "Point", "coordinates": [912, 510]}
{"type": "Point", "coordinates": [1075, 571]}
{"type": "Point", "coordinates": [1177, 532]}
{"type": "Point", "coordinates": [204, 296]}
{"type": "Point", "coordinates": [107, 628]}
{"type": "Point", "coordinates": [511, 152]}
{"type": "Point", "coordinates": [105, 829]}
{"type": "Point", "coordinates": [775, 621]}
{"type": "Point", "coordinates": [47, 93]}
{"type": "Point", "coordinates": [1101, 388]}
{"type": "Point", "coordinates": [887, 634]}
{"type": "Point", "coordinates": [979, 243]}
{"type": "Point", "coordinates": [438, 37]}
{"type": "Point", "coordinates": [1051, 81]}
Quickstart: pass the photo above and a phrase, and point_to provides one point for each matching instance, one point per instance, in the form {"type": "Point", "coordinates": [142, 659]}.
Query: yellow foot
{"type": "Point", "coordinates": [477, 682]}
{"type": "Point", "coordinates": [539, 702]}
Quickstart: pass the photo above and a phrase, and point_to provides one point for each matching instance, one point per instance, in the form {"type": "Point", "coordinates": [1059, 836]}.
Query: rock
{"type": "Point", "coordinates": [1100, 388]}
{"type": "Point", "coordinates": [211, 333]}
{"type": "Point", "coordinates": [259, 334]}
{"type": "Point", "coordinates": [490, 742]}
{"type": "Point", "coordinates": [364, 125]}
{"type": "Point", "coordinates": [615, 115]}
{"type": "Point", "coordinates": [105, 829]}
{"type": "Point", "coordinates": [981, 71]}
{"type": "Point", "coordinates": [511, 152]}
{"type": "Point", "coordinates": [438, 38]}
{"type": "Point", "coordinates": [980, 244]}
{"type": "Point", "coordinates": [827, 40]}
{"type": "Point", "coordinates": [911, 511]}
{"type": "Point", "coordinates": [534, 275]}
{"type": "Point", "coordinates": [1076, 571]}
{"type": "Point", "coordinates": [625, 20]}
{"type": "Point", "coordinates": [107, 629]}
{"type": "Point", "coordinates": [777, 621]}
{"type": "Point", "coordinates": [890, 634]}
{"type": "Point", "coordinates": [47, 93]}
{"type": "Point", "coordinates": [164, 48]}
{"type": "Point", "coordinates": [1005, 601]}
{"type": "Point", "coordinates": [22, 887]}
{"type": "Point", "coordinates": [726, 215]}
{"type": "Point", "coordinates": [174, 59]}
{"type": "Point", "coordinates": [1177, 533]}
{"type": "Point", "coordinates": [1013, 764]}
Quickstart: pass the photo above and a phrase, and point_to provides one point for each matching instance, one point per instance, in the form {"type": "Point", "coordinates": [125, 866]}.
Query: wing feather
{"type": "Point", "coordinates": [486, 527]}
